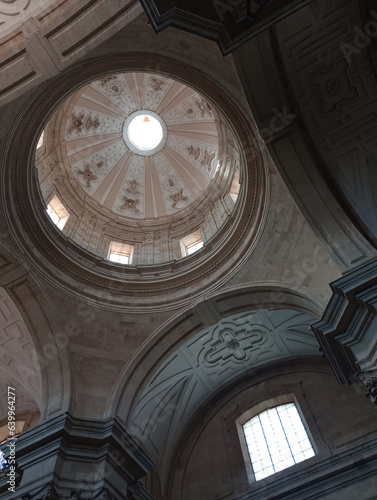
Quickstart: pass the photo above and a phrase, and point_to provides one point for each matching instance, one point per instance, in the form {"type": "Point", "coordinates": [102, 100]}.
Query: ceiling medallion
{"type": "Point", "coordinates": [145, 133]}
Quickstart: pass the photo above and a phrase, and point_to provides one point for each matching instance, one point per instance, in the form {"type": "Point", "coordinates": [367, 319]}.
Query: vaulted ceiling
{"type": "Point", "coordinates": [230, 23]}
{"type": "Point", "coordinates": [127, 181]}
{"type": "Point", "coordinates": [187, 378]}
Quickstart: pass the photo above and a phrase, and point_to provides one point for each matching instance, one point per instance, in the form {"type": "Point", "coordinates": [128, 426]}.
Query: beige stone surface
{"type": "Point", "coordinates": [91, 342]}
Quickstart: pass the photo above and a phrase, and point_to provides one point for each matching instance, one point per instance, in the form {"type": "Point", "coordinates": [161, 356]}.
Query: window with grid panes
{"type": "Point", "coordinates": [276, 439]}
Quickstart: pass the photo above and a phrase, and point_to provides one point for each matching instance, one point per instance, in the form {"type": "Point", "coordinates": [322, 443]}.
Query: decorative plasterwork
{"type": "Point", "coordinates": [335, 86]}
{"type": "Point", "coordinates": [15, 12]}
{"type": "Point", "coordinates": [101, 154]}
{"type": "Point", "coordinates": [132, 146]}
{"type": "Point", "coordinates": [229, 23]}
{"type": "Point", "coordinates": [75, 260]}
{"type": "Point", "coordinates": [205, 362]}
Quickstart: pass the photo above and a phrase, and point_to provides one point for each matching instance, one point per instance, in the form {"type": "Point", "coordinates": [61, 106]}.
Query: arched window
{"type": "Point", "coordinates": [276, 439]}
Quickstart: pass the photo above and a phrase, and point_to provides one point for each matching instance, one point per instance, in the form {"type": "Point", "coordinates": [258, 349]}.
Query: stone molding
{"type": "Point", "coordinates": [346, 331]}
{"type": "Point", "coordinates": [292, 148]}
{"type": "Point", "coordinates": [34, 310]}
{"type": "Point", "coordinates": [79, 273]}
{"type": "Point", "coordinates": [101, 456]}
{"type": "Point", "coordinates": [313, 481]}
{"type": "Point", "coordinates": [39, 46]}
{"type": "Point", "coordinates": [229, 24]}
{"type": "Point", "coordinates": [155, 241]}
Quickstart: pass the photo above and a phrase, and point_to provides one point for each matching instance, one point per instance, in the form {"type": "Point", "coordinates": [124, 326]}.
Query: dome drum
{"type": "Point", "coordinates": [75, 259]}
{"type": "Point", "coordinates": [77, 151]}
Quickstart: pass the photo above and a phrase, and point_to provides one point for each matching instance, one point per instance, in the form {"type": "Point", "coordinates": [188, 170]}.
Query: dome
{"type": "Point", "coordinates": [138, 169]}
{"type": "Point", "coordinates": [130, 220]}
{"type": "Point", "coordinates": [176, 157]}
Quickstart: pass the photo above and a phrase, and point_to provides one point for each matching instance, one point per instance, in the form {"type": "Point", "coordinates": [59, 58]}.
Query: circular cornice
{"type": "Point", "coordinates": [91, 279]}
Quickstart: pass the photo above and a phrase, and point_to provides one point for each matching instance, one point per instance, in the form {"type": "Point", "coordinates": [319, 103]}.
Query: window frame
{"type": "Point", "coordinates": [235, 187]}
{"type": "Point", "coordinates": [199, 242]}
{"type": "Point", "coordinates": [54, 206]}
{"type": "Point", "coordinates": [121, 249]}
{"type": "Point", "coordinates": [191, 240]}
{"type": "Point", "coordinates": [256, 410]}
{"type": "Point", "coordinates": [41, 140]}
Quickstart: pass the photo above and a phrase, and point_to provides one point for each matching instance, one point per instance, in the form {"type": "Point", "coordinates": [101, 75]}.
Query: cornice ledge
{"type": "Point", "coordinates": [346, 321]}
{"type": "Point", "coordinates": [74, 436]}
{"type": "Point", "coordinates": [345, 467]}
{"type": "Point", "coordinates": [229, 27]}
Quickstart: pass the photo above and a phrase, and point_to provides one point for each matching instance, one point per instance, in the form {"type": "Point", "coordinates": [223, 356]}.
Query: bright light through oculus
{"type": "Point", "coordinates": [145, 132]}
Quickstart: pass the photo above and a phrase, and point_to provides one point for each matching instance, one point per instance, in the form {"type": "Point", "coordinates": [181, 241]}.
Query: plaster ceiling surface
{"type": "Point", "coordinates": [132, 183]}
{"type": "Point", "coordinates": [18, 367]}
{"type": "Point", "coordinates": [207, 361]}
{"type": "Point", "coordinates": [15, 12]}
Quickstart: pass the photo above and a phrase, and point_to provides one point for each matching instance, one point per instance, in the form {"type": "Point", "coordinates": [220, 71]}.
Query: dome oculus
{"type": "Point", "coordinates": [140, 146]}
{"type": "Point", "coordinates": [144, 133]}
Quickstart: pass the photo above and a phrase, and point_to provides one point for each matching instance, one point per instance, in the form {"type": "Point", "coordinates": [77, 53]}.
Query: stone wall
{"type": "Point", "coordinates": [211, 464]}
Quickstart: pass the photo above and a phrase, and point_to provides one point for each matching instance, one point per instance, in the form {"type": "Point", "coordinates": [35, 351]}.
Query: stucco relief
{"type": "Point", "coordinates": [132, 188]}
{"type": "Point", "coordinates": [238, 344]}
{"type": "Point", "coordinates": [207, 160]}
{"type": "Point", "coordinates": [199, 367]}
{"type": "Point", "coordinates": [178, 197]}
{"type": "Point", "coordinates": [115, 89]}
{"type": "Point", "coordinates": [84, 123]}
{"type": "Point", "coordinates": [175, 193]}
{"type": "Point", "coordinates": [91, 171]}
{"type": "Point", "coordinates": [195, 152]}
{"type": "Point", "coordinates": [156, 88]}
{"type": "Point", "coordinates": [200, 154]}
{"type": "Point", "coordinates": [370, 382]}
{"type": "Point", "coordinates": [335, 86]}
{"type": "Point", "coordinates": [130, 205]}
{"type": "Point", "coordinates": [194, 108]}
{"type": "Point", "coordinates": [87, 175]}
{"type": "Point", "coordinates": [103, 162]}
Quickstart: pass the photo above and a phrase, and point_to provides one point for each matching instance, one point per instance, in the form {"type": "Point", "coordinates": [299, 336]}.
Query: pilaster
{"type": "Point", "coordinates": [73, 459]}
